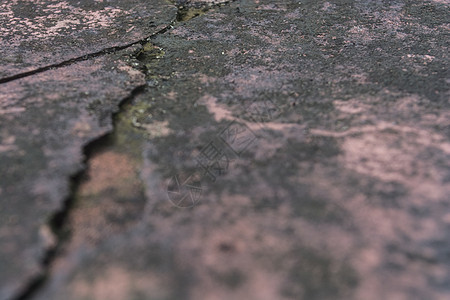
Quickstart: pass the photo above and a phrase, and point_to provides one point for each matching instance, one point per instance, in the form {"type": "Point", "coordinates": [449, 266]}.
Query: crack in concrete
{"type": "Point", "coordinates": [57, 222]}
{"type": "Point", "coordinates": [184, 13]}
{"type": "Point", "coordinates": [84, 57]}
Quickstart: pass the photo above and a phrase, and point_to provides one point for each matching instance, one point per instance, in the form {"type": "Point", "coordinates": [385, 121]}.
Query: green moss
{"type": "Point", "coordinates": [149, 57]}
{"type": "Point", "coordinates": [186, 13]}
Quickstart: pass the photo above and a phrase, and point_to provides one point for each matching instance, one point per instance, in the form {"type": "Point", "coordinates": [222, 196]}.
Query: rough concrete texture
{"type": "Point", "coordinates": [45, 121]}
{"type": "Point", "coordinates": [343, 195]}
{"type": "Point", "coordinates": [38, 33]}
{"type": "Point", "coordinates": [281, 150]}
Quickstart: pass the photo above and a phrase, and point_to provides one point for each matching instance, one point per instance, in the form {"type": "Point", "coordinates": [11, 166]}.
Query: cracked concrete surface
{"type": "Point", "coordinates": [37, 34]}
{"type": "Point", "coordinates": [342, 195]}
{"type": "Point", "coordinates": [47, 117]}
{"type": "Point", "coordinates": [43, 130]}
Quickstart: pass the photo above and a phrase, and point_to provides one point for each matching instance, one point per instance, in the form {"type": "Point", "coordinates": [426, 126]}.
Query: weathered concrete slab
{"type": "Point", "coordinates": [343, 195]}
{"type": "Point", "coordinates": [36, 34]}
{"type": "Point", "coordinates": [45, 120]}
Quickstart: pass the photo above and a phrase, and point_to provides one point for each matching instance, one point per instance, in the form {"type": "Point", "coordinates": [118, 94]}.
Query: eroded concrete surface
{"type": "Point", "coordinates": [47, 118]}
{"type": "Point", "coordinates": [45, 121]}
{"type": "Point", "coordinates": [36, 34]}
{"type": "Point", "coordinates": [331, 182]}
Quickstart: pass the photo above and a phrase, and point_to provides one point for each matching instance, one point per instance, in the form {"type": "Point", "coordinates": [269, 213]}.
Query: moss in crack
{"type": "Point", "coordinates": [148, 56]}
{"type": "Point", "coordinates": [112, 177]}
{"type": "Point", "coordinates": [186, 13]}
{"type": "Point", "coordinates": [131, 129]}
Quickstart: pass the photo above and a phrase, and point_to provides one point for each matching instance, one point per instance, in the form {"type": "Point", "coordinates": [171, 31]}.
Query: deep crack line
{"type": "Point", "coordinates": [58, 220]}
{"type": "Point", "coordinates": [180, 17]}
{"type": "Point", "coordinates": [84, 57]}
